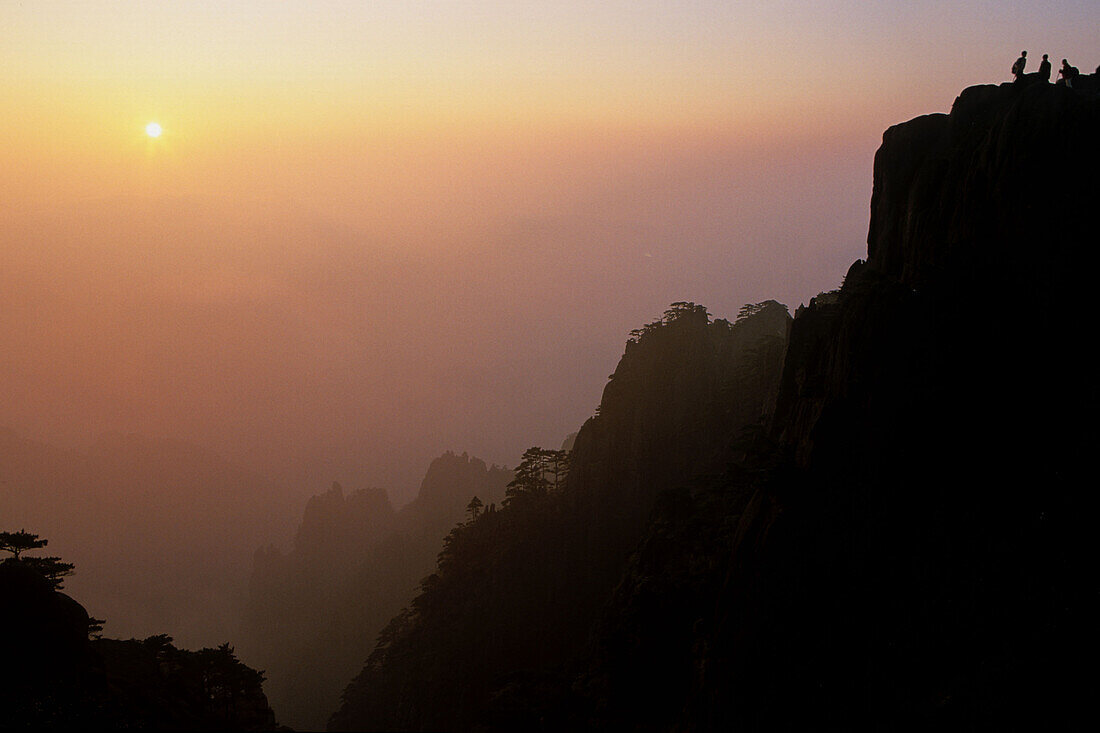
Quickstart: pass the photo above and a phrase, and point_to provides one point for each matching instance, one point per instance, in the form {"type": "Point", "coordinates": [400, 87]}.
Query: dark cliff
{"type": "Point", "coordinates": [872, 517]}
{"type": "Point", "coordinates": [53, 677]}
{"type": "Point", "coordinates": [904, 541]}
{"type": "Point", "coordinates": [498, 633]}
{"type": "Point", "coordinates": [910, 545]}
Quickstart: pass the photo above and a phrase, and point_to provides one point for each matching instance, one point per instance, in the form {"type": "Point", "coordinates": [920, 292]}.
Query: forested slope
{"type": "Point", "coordinates": [497, 632]}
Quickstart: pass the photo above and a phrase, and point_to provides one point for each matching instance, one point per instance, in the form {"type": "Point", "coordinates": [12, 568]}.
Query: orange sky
{"type": "Point", "coordinates": [255, 96]}
{"type": "Point", "coordinates": [370, 234]}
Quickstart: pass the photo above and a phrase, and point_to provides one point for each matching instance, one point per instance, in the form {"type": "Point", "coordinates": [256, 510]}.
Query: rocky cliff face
{"type": "Point", "coordinates": [44, 649]}
{"type": "Point", "coordinates": [910, 545]}
{"type": "Point", "coordinates": [673, 409]}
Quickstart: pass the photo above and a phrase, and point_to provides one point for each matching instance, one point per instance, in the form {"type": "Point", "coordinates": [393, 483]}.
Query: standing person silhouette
{"type": "Point", "coordinates": [1018, 67]}
{"type": "Point", "coordinates": [1044, 69]}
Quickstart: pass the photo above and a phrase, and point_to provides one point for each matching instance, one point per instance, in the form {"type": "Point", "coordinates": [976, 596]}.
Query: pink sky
{"type": "Point", "coordinates": [370, 235]}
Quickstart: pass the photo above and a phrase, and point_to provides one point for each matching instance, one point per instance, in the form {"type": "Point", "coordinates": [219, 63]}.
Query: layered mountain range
{"type": "Point", "coordinates": [880, 521]}
{"type": "Point", "coordinates": [876, 514]}
{"type": "Point", "coordinates": [313, 613]}
{"type": "Point", "coordinates": [496, 632]}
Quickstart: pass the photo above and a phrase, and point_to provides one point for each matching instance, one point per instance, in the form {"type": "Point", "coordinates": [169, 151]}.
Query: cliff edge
{"type": "Point", "coordinates": [924, 555]}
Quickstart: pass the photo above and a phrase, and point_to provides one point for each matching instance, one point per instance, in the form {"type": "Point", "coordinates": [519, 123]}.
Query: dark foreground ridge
{"type": "Point", "coordinates": [911, 544]}
{"type": "Point", "coordinates": [54, 677]}
{"type": "Point", "coordinates": [883, 521]}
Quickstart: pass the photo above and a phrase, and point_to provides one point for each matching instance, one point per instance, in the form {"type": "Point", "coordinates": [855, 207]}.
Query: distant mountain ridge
{"type": "Point", "coordinates": [314, 613]}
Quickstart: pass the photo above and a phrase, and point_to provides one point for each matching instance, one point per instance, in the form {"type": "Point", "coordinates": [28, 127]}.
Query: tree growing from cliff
{"type": "Point", "coordinates": [51, 568]}
{"type": "Point", "coordinates": [530, 477]}
{"type": "Point", "coordinates": [226, 681]}
{"type": "Point", "coordinates": [474, 508]}
{"type": "Point", "coordinates": [557, 467]}
{"type": "Point", "coordinates": [680, 310]}
{"type": "Point", "coordinates": [95, 627]}
{"type": "Point", "coordinates": [213, 677]}
{"type": "Point", "coordinates": [684, 309]}
{"type": "Point", "coordinates": [19, 542]}
{"type": "Point", "coordinates": [539, 473]}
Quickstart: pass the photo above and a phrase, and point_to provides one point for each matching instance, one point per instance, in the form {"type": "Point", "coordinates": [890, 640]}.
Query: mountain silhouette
{"type": "Point", "coordinates": [313, 614]}
{"type": "Point", "coordinates": [882, 521]}
{"type": "Point", "coordinates": [54, 677]}
{"type": "Point", "coordinates": [517, 589]}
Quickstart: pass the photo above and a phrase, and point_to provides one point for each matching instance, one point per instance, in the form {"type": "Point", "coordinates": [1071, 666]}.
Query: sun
{"type": "Point", "coordinates": [152, 129]}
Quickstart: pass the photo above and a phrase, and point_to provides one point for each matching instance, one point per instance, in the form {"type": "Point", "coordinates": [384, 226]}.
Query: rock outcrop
{"type": "Point", "coordinates": [911, 545]}
{"type": "Point", "coordinates": [46, 663]}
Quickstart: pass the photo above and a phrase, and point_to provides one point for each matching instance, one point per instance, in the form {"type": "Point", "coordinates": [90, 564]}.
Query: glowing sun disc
{"type": "Point", "coordinates": [152, 129]}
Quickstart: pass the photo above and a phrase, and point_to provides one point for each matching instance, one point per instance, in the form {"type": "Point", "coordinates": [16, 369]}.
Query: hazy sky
{"type": "Point", "coordinates": [371, 232]}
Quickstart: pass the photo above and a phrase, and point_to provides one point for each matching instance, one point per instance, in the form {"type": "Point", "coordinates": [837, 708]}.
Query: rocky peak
{"type": "Point", "coordinates": [334, 521]}
{"type": "Point", "coordinates": [983, 186]}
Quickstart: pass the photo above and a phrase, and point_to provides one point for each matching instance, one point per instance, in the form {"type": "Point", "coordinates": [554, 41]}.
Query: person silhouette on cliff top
{"type": "Point", "coordinates": [1044, 69]}
{"type": "Point", "coordinates": [1018, 67]}
{"type": "Point", "coordinates": [1067, 74]}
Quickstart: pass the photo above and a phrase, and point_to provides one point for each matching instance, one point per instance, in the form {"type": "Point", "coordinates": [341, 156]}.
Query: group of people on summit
{"type": "Point", "coordinates": [1066, 74]}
